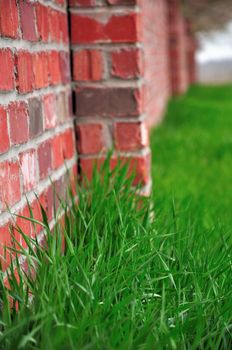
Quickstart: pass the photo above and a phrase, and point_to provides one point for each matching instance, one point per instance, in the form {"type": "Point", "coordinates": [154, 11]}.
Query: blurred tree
{"type": "Point", "coordinates": [207, 15]}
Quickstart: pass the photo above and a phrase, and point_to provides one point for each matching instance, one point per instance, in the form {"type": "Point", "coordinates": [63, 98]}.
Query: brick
{"type": "Point", "coordinates": [9, 183]}
{"type": "Point", "coordinates": [42, 18]}
{"type": "Point", "coordinates": [61, 107]}
{"type": "Point", "coordinates": [5, 142]}
{"type": "Point", "coordinates": [54, 67]}
{"type": "Point", "coordinates": [28, 165]}
{"type": "Point", "coordinates": [104, 29]}
{"type": "Point", "coordinates": [82, 3]}
{"type": "Point", "coordinates": [63, 23]}
{"type": "Point", "coordinates": [139, 167]}
{"type": "Point", "coordinates": [45, 159]}
{"type": "Point", "coordinates": [24, 225]}
{"type": "Point", "coordinates": [49, 107]}
{"type": "Point", "coordinates": [18, 115]}
{"type": "Point", "coordinates": [40, 65]}
{"type": "Point", "coordinates": [57, 152]}
{"type": "Point", "coordinates": [65, 67]}
{"type": "Point", "coordinates": [122, 2]}
{"type": "Point", "coordinates": [68, 144]}
{"type": "Point", "coordinates": [107, 102]}
{"type": "Point", "coordinates": [130, 136]}
{"type": "Point", "coordinates": [90, 138]}
{"type": "Point", "coordinates": [88, 65]}
{"type": "Point", "coordinates": [25, 76]}
{"type": "Point", "coordinates": [54, 25]}
{"type": "Point", "coordinates": [9, 19]}
{"type": "Point", "coordinates": [5, 241]}
{"type": "Point", "coordinates": [35, 116]}
{"type": "Point", "coordinates": [27, 20]}
{"type": "Point", "coordinates": [6, 70]}
{"type": "Point", "coordinates": [126, 63]}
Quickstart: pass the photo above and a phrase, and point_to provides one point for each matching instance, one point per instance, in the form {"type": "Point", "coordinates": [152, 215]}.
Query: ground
{"type": "Point", "coordinates": [128, 281]}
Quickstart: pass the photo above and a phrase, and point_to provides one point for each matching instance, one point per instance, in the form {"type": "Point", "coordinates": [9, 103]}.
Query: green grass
{"type": "Point", "coordinates": [126, 281]}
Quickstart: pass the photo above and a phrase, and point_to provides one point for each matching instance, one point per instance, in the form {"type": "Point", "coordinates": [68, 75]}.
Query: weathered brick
{"type": "Point", "coordinates": [49, 107]}
{"type": "Point", "coordinates": [126, 63]}
{"type": "Point", "coordinates": [107, 102]}
{"type": "Point", "coordinates": [104, 28]}
{"type": "Point", "coordinates": [10, 192]}
{"type": "Point", "coordinates": [24, 225]}
{"type": "Point", "coordinates": [45, 159]}
{"type": "Point", "coordinates": [6, 70]}
{"type": "Point", "coordinates": [42, 22]}
{"type": "Point", "coordinates": [9, 19]}
{"type": "Point", "coordinates": [82, 3]}
{"type": "Point", "coordinates": [65, 67]}
{"type": "Point", "coordinates": [130, 136]}
{"type": "Point", "coordinates": [40, 65]}
{"type": "Point", "coordinates": [28, 165]}
{"type": "Point", "coordinates": [5, 142]}
{"type": "Point", "coordinates": [18, 115]}
{"type": "Point", "coordinates": [25, 76]}
{"type": "Point", "coordinates": [54, 25]}
{"type": "Point", "coordinates": [57, 152]}
{"type": "Point", "coordinates": [88, 65]}
{"type": "Point", "coordinates": [63, 24]}
{"type": "Point", "coordinates": [68, 144]}
{"type": "Point", "coordinates": [61, 107]}
{"type": "Point", "coordinates": [54, 67]}
{"type": "Point", "coordinates": [91, 138]}
{"type": "Point", "coordinates": [35, 116]}
{"type": "Point", "coordinates": [27, 20]}
{"type": "Point", "coordinates": [122, 2]}
{"type": "Point", "coordinates": [5, 242]}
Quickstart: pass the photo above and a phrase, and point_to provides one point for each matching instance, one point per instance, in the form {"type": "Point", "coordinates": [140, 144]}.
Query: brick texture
{"type": "Point", "coordinates": [35, 90]}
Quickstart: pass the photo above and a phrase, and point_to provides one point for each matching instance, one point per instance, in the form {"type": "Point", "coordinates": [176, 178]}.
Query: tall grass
{"type": "Point", "coordinates": [124, 280]}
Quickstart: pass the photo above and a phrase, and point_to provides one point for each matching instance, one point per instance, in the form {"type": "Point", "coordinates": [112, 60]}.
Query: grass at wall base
{"type": "Point", "coordinates": [129, 282]}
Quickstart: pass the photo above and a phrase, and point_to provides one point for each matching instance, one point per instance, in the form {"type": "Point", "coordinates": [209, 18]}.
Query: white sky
{"type": "Point", "coordinates": [215, 46]}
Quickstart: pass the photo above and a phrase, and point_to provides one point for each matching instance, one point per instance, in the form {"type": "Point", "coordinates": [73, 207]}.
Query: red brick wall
{"type": "Point", "coordinates": [126, 56]}
{"type": "Point", "coordinates": [178, 48]}
{"type": "Point", "coordinates": [36, 126]}
{"type": "Point", "coordinates": [109, 92]}
{"type": "Point", "coordinates": [156, 56]}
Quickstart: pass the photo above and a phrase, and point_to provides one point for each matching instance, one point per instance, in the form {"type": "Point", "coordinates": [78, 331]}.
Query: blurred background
{"type": "Point", "coordinates": [212, 22]}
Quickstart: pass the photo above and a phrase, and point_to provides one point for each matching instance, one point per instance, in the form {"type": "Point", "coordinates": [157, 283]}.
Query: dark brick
{"type": "Point", "coordinates": [35, 116]}
{"type": "Point", "coordinates": [107, 102]}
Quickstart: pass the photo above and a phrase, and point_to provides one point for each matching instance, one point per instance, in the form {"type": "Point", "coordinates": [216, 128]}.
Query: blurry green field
{"type": "Point", "coordinates": [192, 156]}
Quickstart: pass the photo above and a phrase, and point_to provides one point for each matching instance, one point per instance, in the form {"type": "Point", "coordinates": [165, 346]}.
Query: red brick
{"type": "Point", "coordinates": [9, 19]}
{"type": "Point", "coordinates": [9, 183]}
{"type": "Point", "coordinates": [25, 77]}
{"type": "Point", "coordinates": [90, 138]}
{"type": "Point", "coordinates": [82, 3]}
{"type": "Point", "coordinates": [68, 144]}
{"type": "Point", "coordinates": [40, 65]}
{"type": "Point", "coordinates": [130, 136]}
{"type": "Point", "coordinates": [100, 29]}
{"type": "Point", "coordinates": [65, 67]}
{"type": "Point", "coordinates": [5, 241]}
{"type": "Point", "coordinates": [42, 16]}
{"type": "Point", "coordinates": [88, 65]}
{"type": "Point", "coordinates": [57, 152]}
{"type": "Point", "coordinates": [35, 116]}
{"type": "Point", "coordinates": [6, 70]}
{"type": "Point", "coordinates": [45, 159]}
{"type": "Point", "coordinates": [54, 67]}
{"type": "Point", "coordinates": [126, 63]}
{"type": "Point", "coordinates": [49, 107]}
{"type": "Point", "coordinates": [24, 225]}
{"type": "Point", "coordinates": [107, 102]}
{"type": "Point", "coordinates": [5, 142]}
{"type": "Point", "coordinates": [63, 23]}
{"type": "Point", "coordinates": [122, 2]}
{"type": "Point", "coordinates": [28, 20]}
{"type": "Point", "coordinates": [54, 25]}
{"type": "Point", "coordinates": [28, 165]}
{"type": "Point", "coordinates": [18, 115]}
{"type": "Point", "coordinates": [61, 107]}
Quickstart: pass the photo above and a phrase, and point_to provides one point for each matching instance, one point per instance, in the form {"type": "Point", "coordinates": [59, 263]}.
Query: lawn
{"type": "Point", "coordinates": [126, 280]}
